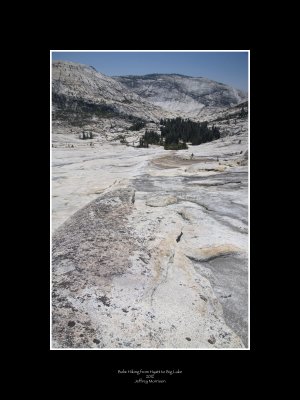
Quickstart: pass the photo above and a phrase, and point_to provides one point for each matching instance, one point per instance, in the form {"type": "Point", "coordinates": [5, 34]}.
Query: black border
{"type": "Point", "coordinates": [114, 360]}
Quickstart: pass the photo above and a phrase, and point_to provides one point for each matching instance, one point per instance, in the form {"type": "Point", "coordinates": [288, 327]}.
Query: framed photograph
{"type": "Point", "coordinates": [150, 202]}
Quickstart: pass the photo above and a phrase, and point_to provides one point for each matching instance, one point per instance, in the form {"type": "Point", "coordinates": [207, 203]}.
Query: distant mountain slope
{"type": "Point", "coordinates": [182, 94]}
{"type": "Point", "coordinates": [81, 93]}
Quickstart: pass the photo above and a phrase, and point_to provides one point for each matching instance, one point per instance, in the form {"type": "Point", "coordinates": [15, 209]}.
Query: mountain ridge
{"type": "Point", "coordinates": [82, 96]}
{"type": "Point", "coordinates": [173, 74]}
{"type": "Point", "coordinates": [181, 93]}
{"type": "Point", "coordinates": [78, 87]}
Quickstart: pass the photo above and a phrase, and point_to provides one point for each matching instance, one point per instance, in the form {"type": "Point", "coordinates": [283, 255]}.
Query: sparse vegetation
{"type": "Point", "coordinates": [78, 112]}
{"type": "Point", "coordinates": [123, 139]}
{"type": "Point", "coordinates": [152, 137]}
{"type": "Point", "coordinates": [176, 146]}
{"type": "Point", "coordinates": [86, 135]}
{"type": "Point", "coordinates": [137, 125]}
{"type": "Point", "coordinates": [143, 143]}
{"type": "Point", "coordinates": [243, 113]}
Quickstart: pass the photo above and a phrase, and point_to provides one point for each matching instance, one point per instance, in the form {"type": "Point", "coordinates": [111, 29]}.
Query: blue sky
{"type": "Point", "coordinates": [227, 67]}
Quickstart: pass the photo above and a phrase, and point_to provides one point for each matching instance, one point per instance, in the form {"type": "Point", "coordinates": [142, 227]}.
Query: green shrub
{"type": "Point", "coordinates": [137, 126]}
{"type": "Point", "coordinates": [176, 146]}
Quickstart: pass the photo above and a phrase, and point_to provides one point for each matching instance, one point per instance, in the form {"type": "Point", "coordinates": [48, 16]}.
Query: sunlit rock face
{"type": "Point", "coordinates": [80, 93]}
{"type": "Point", "coordinates": [182, 94]}
{"type": "Point", "coordinates": [119, 271]}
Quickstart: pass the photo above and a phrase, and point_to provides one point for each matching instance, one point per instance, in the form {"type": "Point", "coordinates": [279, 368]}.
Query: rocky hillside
{"type": "Point", "coordinates": [149, 246]}
{"type": "Point", "coordinates": [182, 94]}
{"type": "Point", "coordinates": [83, 98]}
{"type": "Point", "coordinates": [80, 95]}
{"type": "Point", "coordinates": [230, 121]}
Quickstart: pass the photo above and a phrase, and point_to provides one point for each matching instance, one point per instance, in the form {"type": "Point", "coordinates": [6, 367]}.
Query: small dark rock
{"type": "Point", "coordinates": [71, 324]}
{"type": "Point", "coordinates": [212, 339]}
{"type": "Point", "coordinates": [179, 237]}
{"type": "Point", "coordinates": [189, 339]}
{"type": "Point", "coordinates": [225, 297]}
{"type": "Point", "coordinates": [124, 310]}
{"type": "Point", "coordinates": [105, 300]}
{"type": "Point", "coordinates": [203, 297]}
{"type": "Point", "coordinates": [96, 341]}
{"type": "Point", "coordinates": [223, 334]}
